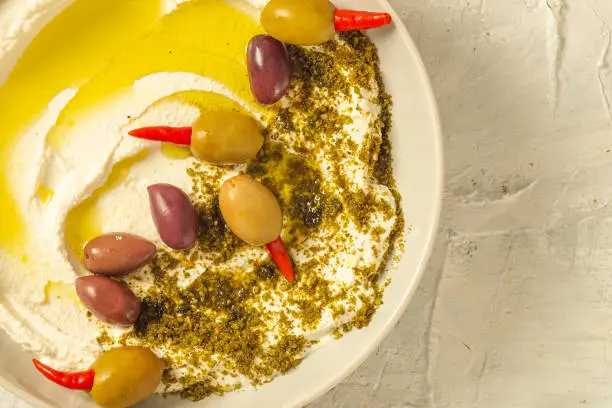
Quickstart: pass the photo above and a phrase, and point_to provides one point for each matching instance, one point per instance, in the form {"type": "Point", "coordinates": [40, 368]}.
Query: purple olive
{"type": "Point", "coordinates": [108, 300]}
{"type": "Point", "coordinates": [174, 216]}
{"type": "Point", "coordinates": [117, 254]}
{"type": "Point", "coordinates": [269, 69]}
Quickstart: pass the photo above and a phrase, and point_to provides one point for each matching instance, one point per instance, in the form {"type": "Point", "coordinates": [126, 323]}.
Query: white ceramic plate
{"type": "Point", "coordinates": [417, 154]}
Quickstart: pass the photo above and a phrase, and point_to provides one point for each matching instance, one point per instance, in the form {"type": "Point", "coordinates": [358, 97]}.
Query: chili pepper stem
{"type": "Point", "coordinates": [345, 20]}
{"type": "Point", "coordinates": [82, 380]}
{"type": "Point", "coordinates": [175, 135]}
{"type": "Point", "coordinates": [279, 254]}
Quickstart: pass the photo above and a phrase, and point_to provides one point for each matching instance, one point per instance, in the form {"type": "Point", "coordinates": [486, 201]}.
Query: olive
{"type": "Point", "coordinates": [174, 216]}
{"type": "Point", "coordinates": [299, 22]}
{"type": "Point", "coordinates": [250, 210]}
{"type": "Point", "coordinates": [117, 254]}
{"type": "Point", "coordinates": [225, 137]}
{"type": "Point", "coordinates": [125, 376]}
{"type": "Point", "coordinates": [269, 69]}
{"type": "Point", "coordinates": [108, 300]}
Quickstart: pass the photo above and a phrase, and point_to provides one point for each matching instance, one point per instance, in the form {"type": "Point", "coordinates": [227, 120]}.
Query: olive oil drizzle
{"type": "Point", "coordinates": [66, 53]}
{"type": "Point", "coordinates": [102, 47]}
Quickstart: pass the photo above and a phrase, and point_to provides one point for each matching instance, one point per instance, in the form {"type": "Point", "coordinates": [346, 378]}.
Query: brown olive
{"type": "Point", "coordinates": [117, 254]}
{"type": "Point", "coordinates": [250, 210]}
{"type": "Point", "coordinates": [225, 137]}
{"type": "Point", "coordinates": [108, 300]}
{"type": "Point", "coordinates": [125, 376]}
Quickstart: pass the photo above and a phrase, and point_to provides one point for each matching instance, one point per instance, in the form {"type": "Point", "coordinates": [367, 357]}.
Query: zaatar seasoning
{"type": "Point", "coordinates": [220, 327]}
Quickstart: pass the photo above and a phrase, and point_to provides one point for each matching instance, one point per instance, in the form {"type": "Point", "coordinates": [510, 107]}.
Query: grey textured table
{"type": "Point", "coordinates": [515, 309]}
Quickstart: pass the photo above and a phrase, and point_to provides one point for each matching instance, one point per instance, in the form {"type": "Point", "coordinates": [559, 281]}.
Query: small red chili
{"type": "Point", "coordinates": [345, 20]}
{"type": "Point", "coordinates": [175, 135]}
{"type": "Point", "coordinates": [82, 380]}
{"type": "Point", "coordinates": [279, 254]}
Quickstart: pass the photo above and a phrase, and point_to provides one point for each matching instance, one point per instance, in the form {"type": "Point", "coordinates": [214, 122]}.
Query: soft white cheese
{"type": "Point", "coordinates": [56, 328]}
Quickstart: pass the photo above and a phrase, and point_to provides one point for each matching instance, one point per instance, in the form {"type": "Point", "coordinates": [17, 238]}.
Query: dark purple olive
{"type": "Point", "coordinates": [269, 69]}
{"type": "Point", "coordinates": [117, 254]}
{"type": "Point", "coordinates": [108, 300]}
{"type": "Point", "coordinates": [174, 216]}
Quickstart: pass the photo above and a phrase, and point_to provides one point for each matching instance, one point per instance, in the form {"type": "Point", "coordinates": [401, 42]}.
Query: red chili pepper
{"type": "Point", "coordinates": [176, 135]}
{"type": "Point", "coordinates": [82, 380]}
{"type": "Point", "coordinates": [345, 20]}
{"type": "Point", "coordinates": [280, 256]}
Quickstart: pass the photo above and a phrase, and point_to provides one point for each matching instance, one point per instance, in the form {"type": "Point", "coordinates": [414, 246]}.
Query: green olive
{"type": "Point", "coordinates": [250, 210]}
{"type": "Point", "coordinates": [125, 376]}
{"type": "Point", "coordinates": [226, 138]}
{"type": "Point", "coordinates": [299, 22]}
